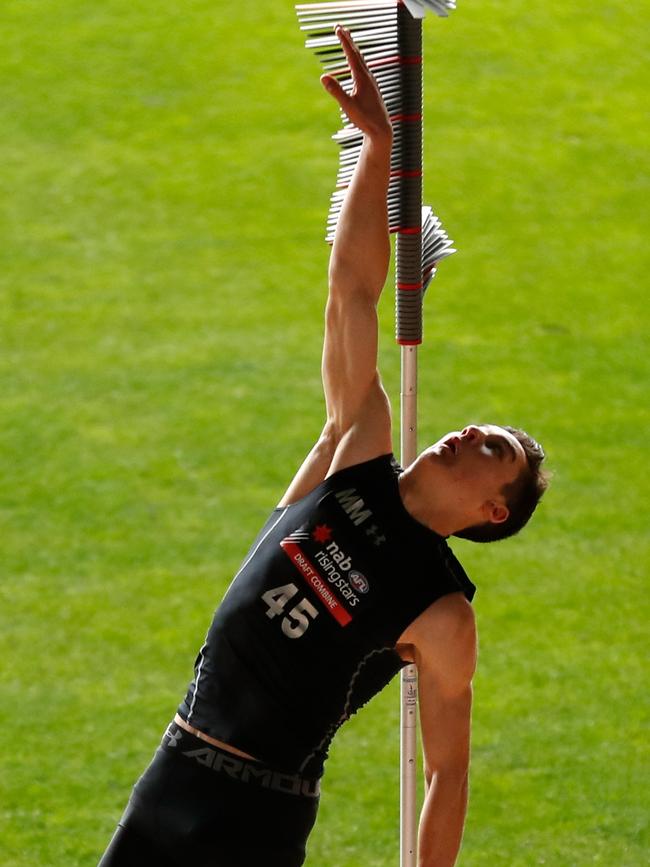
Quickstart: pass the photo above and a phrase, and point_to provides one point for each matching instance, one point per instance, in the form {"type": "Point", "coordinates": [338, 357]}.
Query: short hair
{"type": "Point", "coordinates": [522, 495]}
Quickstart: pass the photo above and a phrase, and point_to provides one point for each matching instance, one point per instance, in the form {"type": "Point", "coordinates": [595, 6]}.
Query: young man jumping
{"type": "Point", "coordinates": [350, 579]}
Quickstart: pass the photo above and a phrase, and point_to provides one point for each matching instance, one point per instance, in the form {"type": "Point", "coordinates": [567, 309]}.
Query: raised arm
{"type": "Point", "coordinates": [358, 413]}
{"type": "Point", "coordinates": [442, 643]}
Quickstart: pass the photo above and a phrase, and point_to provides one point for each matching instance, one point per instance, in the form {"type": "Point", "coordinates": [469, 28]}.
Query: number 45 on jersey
{"type": "Point", "coordinates": [296, 622]}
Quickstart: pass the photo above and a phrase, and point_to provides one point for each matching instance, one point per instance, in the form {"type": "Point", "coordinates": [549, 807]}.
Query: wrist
{"type": "Point", "coordinates": [380, 139]}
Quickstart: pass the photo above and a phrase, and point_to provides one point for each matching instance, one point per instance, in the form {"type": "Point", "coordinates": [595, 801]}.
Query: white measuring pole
{"type": "Point", "coordinates": [409, 678]}
{"type": "Point", "coordinates": [408, 295]}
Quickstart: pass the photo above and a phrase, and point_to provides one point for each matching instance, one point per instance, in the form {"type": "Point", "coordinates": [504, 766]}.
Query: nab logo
{"type": "Point", "coordinates": [353, 506]}
{"type": "Point", "coordinates": [359, 582]}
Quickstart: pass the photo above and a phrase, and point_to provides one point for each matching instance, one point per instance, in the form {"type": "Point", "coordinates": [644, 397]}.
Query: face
{"type": "Point", "coordinates": [471, 467]}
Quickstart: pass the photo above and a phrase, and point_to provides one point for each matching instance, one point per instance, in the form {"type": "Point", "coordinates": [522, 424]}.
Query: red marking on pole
{"type": "Point", "coordinates": [410, 287]}
{"type": "Point", "coordinates": [415, 230]}
{"type": "Point", "coordinates": [311, 575]}
{"type": "Point", "coordinates": [409, 342]}
{"type": "Point", "coordinates": [402, 173]}
{"type": "Point", "coordinates": [396, 58]}
{"type": "Point", "coordinates": [397, 173]}
{"type": "Point", "coordinates": [406, 118]}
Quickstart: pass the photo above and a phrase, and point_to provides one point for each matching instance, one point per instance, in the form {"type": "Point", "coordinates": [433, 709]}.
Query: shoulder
{"type": "Point", "coordinates": [442, 641]}
{"type": "Point", "coordinates": [375, 470]}
{"type": "Point", "coordinates": [450, 616]}
{"type": "Point", "coordinates": [369, 435]}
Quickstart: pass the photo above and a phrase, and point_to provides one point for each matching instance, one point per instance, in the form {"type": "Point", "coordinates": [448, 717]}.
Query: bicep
{"type": "Point", "coordinates": [444, 645]}
{"type": "Point", "coordinates": [445, 721]}
{"type": "Point", "coordinates": [349, 364]}
{"type": "Point", "coordinates": [358, 408]}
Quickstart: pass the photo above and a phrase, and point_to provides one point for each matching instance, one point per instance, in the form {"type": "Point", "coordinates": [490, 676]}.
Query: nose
{"type": "Point", "coordinates": [471, 433]}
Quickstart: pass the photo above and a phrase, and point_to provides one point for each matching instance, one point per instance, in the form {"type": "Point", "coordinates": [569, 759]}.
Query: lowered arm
{"type": "Point", "coordinates": [442, 643]}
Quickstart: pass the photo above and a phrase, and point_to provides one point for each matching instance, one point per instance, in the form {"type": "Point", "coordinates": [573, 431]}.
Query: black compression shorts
{"type": "Point", "coordinates": [196, 804]}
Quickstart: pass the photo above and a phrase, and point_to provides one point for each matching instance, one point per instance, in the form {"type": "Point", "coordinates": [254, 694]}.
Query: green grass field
{"type": "Point", "coordinates": [166, 170]}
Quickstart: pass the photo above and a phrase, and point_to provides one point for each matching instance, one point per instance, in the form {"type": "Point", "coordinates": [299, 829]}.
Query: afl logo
{"type": "Point", "coordinates": [359, 582]}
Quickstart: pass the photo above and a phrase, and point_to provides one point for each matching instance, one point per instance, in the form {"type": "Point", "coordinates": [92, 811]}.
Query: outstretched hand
{"type": "Point", "coordinates": [365, 105]}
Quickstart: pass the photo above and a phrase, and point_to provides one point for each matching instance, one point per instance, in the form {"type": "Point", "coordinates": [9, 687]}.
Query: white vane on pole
{"type": "Point", "coordinates": [419, 8]}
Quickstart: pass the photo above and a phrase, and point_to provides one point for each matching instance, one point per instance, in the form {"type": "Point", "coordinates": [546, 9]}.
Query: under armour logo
{"type": "Point", "coordinates": [375, 534]}
{"type": "Point", "coordinates": [174, 738]}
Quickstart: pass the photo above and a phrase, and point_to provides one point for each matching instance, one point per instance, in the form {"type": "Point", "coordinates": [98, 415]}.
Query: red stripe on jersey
{"type": "Point", "coordinates": [315, 580]}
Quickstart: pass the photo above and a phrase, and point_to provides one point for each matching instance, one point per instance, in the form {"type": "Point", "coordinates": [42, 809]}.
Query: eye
{"type": "Point", "coordinates": [494, 446]}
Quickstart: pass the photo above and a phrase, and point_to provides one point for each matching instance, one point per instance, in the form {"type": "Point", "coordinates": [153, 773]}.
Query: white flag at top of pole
{"type": "Point", "coordinates": [419, 8]}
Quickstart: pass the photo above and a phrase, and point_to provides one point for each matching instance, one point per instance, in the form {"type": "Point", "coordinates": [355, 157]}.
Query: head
{"type": "Point", "coordinates": [482, 483]}
{"type": "Point", "coordinates": [521, 495]}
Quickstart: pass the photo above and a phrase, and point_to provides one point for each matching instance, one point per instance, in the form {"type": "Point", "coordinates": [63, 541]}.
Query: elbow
{"type": "Point", "coordinates": [453, 779]}
{"type": "Point", "coordinates": [347, 291]}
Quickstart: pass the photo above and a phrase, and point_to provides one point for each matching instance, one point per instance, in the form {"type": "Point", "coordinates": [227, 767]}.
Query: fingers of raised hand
{"type": "Point", "coordinates": [353, 55]}
{"type": "Point", "coordinates": [332, 86]}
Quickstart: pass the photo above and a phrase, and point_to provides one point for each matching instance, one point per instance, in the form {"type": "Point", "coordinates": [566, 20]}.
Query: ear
{"type": "Point", "coordinates": [496, 513]}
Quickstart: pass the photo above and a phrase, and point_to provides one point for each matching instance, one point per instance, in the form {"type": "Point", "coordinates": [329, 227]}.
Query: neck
{"type": "Point", "coordinates": [434, 515]}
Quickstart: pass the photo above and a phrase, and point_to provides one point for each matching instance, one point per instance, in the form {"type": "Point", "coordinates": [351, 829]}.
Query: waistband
{"type": "Point", "coordinates": [177, 740]}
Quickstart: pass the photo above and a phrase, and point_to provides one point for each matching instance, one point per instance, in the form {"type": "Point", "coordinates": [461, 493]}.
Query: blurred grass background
{"type": "Point", "coordinates": [166, 170]}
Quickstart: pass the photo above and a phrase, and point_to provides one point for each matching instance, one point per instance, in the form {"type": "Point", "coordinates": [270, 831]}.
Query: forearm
{"type": "Point", "coordinates": [441, 822]}
{"type": "Point", "coordinates": [361, 251]}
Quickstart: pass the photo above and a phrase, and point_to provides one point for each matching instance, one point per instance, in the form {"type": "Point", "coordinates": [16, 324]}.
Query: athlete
{"type": "Point", "coordinates": [350, 579]}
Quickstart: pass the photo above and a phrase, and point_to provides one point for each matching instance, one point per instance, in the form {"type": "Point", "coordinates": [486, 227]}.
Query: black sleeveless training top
{"type": "Point", "coordinates": [306, 632]}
